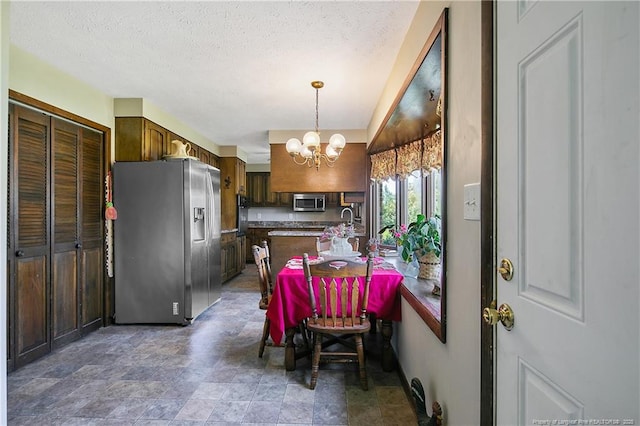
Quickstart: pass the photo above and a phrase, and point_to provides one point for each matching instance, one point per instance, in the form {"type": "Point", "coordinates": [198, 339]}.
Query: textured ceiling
{"type": "Point", "coordinates": [231, 70]}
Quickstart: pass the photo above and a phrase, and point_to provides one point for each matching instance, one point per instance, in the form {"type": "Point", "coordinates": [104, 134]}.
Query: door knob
{"type": "Point", "coordinates": [503, 314]}
{"type": "Point", "coordinates": [19, 253]}
{"type": "Point", "coordinates": [506, 269]}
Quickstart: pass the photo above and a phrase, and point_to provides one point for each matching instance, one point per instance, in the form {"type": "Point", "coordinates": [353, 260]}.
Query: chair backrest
{"type": "Point", "coordinates": [326, 244]}
{"type": "Point", "coordinates": [261, 258]}
{"type": "Point", "coordinates": [339, 290]}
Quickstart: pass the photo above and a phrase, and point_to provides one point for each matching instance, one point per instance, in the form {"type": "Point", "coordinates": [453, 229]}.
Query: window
{"type": "Point", "coordinates": [387, 210]}
{"type": "Point", "coordinates": [414, 195]}
{"type": "Point", "coordinates": [400, 201]}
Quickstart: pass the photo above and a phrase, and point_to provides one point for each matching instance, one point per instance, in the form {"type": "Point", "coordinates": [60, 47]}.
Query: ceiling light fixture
{"type": "Point", "coordinates": [308, 152]}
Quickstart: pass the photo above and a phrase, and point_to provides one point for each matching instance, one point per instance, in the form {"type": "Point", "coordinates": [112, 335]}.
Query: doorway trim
{"type": "Point", "coordinates": [487, 211]}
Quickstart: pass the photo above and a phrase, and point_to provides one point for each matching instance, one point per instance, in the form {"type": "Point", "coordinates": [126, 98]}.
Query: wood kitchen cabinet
{"type": "Point", "coordinates": [139, 139]}
{"type": "Point", "coordinates": [255, 236]}
{"type": "Point", "coordinates": [242, 249]}
{"type": "Point", "coordinates": [231, 249]}
{"type": "Point", "coordinates": [350, 172]}
{"type": "Point", "coordinates": [56, 241]}
{"type": "Point", "coordinates": [256, 188]}
{"type": "Point", "coordinates": [260, 194]}
{"type": "Point", "coordinates": [232, 182]}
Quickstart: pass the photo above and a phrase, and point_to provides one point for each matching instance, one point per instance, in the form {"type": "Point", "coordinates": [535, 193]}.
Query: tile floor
{"type": "Point", "coordinates": [205, 373]}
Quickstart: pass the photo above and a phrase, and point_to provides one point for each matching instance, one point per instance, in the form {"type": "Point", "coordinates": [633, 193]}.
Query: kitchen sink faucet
{"type": "Point", "coordinates": [347, 209]}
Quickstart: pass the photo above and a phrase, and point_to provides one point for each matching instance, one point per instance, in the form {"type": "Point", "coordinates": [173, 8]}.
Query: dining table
{"type": "Point", "coordinates": [289, 306]}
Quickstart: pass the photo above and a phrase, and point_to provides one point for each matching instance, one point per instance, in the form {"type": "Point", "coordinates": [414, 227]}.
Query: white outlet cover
{"type": "Point", "coordinates": [472, 201]}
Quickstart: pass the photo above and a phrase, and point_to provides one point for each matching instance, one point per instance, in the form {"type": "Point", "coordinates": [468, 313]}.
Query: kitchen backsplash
{"type": "Point", "coordinates": [284, 214]}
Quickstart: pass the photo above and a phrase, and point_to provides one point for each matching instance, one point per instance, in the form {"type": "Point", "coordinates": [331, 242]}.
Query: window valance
{"type": "Point", "coordinates": [409, 156]}
{"type": "Point", "coordinates": [383, 165]}
{"type": "Point", "coordinates": [402, 161]}
{"type": "Point", "coordinates": [432, 151]}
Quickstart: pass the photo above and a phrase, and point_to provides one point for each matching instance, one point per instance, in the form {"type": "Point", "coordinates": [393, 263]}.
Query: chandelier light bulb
{"type": "Point", "coordinates": [305, 152]}
{"type": "Point", "coordinates": [331, 152]}
{"type": "Point", "coordinates": [337, 141]}
{"type": "Point", "coordinates": [293, 146]}
{"type": "Point", "coordinates": [311, 140]}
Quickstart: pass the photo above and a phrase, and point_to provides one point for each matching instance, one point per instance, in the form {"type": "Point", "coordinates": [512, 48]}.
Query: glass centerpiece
{"type": "Point", "coordinates": [339, 236]}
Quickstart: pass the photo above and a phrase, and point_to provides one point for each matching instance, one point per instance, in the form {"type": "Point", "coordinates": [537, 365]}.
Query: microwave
{"type": "Point", "coordinates": [308, 202]}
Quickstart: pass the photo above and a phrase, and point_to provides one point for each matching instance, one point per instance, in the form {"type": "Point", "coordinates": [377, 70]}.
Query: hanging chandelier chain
{"type": "Point", "coordinates": [317, 109]}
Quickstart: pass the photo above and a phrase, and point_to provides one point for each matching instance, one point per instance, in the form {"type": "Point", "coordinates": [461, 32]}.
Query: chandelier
{"type": "Point", "coordinates": [308, 152]}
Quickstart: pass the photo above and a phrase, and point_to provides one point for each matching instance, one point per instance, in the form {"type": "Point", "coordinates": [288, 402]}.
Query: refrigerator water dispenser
{"type": "Point", "coordinates": [198, 224]}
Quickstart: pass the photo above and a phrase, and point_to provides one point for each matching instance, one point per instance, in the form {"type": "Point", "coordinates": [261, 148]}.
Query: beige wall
{"type": "Point", "coordinates": [450, 372]}
{"type": "Point", "coordinates": [34, 77]}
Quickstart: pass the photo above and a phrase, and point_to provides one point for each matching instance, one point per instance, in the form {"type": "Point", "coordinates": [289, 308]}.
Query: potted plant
{"type": "Point", "coordinates": [420, 240]}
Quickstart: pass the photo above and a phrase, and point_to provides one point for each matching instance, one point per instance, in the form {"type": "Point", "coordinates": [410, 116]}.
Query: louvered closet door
{"type": "Point", "coordinates": [29, 257]}
{"type": "Point", "coordinates": [66, 240]}
{"type": "Point", "coordinates": [92, 230]}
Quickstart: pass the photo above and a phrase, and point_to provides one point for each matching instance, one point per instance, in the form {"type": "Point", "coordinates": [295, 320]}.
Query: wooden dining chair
{"type": "Point", "coordinates": [342, 309]}
{"type": "Point", "coordinates": [261, 256]}
{"type": "Point", "coordinates": [265, 281]}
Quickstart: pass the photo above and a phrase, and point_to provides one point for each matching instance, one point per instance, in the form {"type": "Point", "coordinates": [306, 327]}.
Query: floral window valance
{"type": "Point", "coordinates": [432, 152]}
{"type": "Point", "coordinates": [422, 155]}
{"type": "Point", "coordinates": [383, 165]}
{"type": "Point", "coordinates": [408, 158]}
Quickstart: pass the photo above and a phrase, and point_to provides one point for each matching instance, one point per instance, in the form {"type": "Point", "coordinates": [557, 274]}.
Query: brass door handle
{"type": "Point", "coordinates": [503, 314]}
{"type": "Point", "coordinates": [506, 269]}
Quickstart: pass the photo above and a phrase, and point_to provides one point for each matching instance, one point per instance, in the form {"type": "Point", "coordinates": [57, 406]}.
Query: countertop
{"type": "Point", "coordinates": [290, 224]}
{"type": "Point", "coordinates": [301, 233]}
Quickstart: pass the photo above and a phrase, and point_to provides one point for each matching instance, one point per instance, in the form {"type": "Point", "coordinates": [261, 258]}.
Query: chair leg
{"type": "Point", "coordinates": [361, 364]}
{"type": "Point", "coordinates": [315, 362]}
{"type": "Point", "coordinates": [306, 335]}
{"type": "Point", "coordinates": [265, 335]}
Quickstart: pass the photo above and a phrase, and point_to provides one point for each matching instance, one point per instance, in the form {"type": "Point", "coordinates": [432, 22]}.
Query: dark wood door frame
{"type": "Point", "coordinates": [487, 250]}
{"type": "Point", "coordinates": [106, 166]}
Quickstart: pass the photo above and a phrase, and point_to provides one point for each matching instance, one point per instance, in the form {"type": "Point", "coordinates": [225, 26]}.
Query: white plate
{"type": "Point", "coordinates": [291, 266]}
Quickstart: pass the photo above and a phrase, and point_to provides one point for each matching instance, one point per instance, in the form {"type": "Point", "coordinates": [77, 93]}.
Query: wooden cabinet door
{"type": "Point", "coordinates": [241, 177]}
{"type": "Point", "coordinates": [224, 253]}
{"type": "Point", "coordinates": [242, 250]}
{"type": "Point", "coordinates": [271, 198]}
{"type": "Point", "coordinates": [256, 189]}
{"type": "Point", "coordinates": [29, 255]}
{"type": "Point", "coordinates": [92, 231]}
{"type": "Point", "coordinates": [204, 156]}
{"type": "Point", "coordinates": [285, 199]}
{"type": "Point", "coordinates": [156, 142]}
{"type": "Point", "coordinates": [65, 312]}
{"type": "Point", "coordinates": [214, 160]}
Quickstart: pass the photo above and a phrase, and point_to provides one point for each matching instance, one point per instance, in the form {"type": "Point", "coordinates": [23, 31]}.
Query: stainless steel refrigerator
{"type": "Point", "coordinates": [166, 240]}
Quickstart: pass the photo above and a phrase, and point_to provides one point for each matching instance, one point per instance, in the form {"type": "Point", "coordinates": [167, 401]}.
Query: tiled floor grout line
{"type": "Point", "coordinates": [205, 373]}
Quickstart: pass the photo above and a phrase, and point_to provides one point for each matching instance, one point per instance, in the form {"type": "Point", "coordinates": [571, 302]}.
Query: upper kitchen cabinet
{"type": "Point", "coordinates": [138, 139]}
{"type": "Point", "coordinates": [259, 193]}
{"type": "Point", "coordinates": [232, 182]}
{"type": "Point", "coordinates": [233, 174]}
{"type": "Point", "coordinates": [348, 174]}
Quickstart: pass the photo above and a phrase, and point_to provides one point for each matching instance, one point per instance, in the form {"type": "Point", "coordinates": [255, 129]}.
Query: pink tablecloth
{"type": "Point", "coordinates": [290, 300]}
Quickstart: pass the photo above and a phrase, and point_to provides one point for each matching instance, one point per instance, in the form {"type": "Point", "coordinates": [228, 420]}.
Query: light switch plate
{"type": "Point", "coordinates": [472, 201]}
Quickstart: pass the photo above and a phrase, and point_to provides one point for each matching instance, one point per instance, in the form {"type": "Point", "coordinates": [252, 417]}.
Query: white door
{"type": "Point", "coordinates": [567, 212]}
